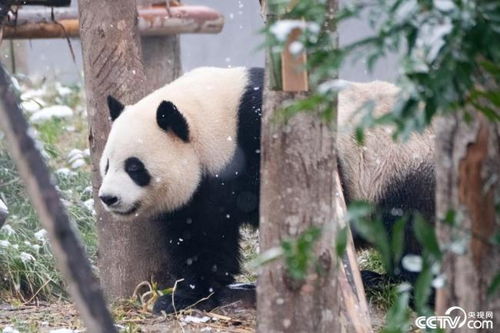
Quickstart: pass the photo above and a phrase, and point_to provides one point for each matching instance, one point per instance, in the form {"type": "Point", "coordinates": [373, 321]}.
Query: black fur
{"type": "Point", "coordinates": [169, 118]}
{"type": "Point", "coordinates": [137, 171]}
{"type": "Point", "coordinates": [115, 107]}
{"type": "Point", "coordinates": [203, 236]}
{"type": "Point", "coordinates": [403, 197]}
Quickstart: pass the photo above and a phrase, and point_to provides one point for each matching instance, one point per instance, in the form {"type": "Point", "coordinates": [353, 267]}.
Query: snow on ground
{"type": "Point", "coordinates": [76, 158]}
{"type": "Point", "coordinates": [51, 112]}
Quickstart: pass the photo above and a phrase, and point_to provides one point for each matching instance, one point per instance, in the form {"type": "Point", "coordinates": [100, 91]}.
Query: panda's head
{"type": "Point", "coordinates": [148, 165]}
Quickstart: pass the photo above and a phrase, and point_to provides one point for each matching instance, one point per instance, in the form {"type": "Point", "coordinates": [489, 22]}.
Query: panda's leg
{"type": "Point", "coordinates": [205, 257]}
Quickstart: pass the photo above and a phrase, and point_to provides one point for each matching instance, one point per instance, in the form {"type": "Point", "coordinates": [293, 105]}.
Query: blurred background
{"type": "Point", "coordinates": [237, 45]}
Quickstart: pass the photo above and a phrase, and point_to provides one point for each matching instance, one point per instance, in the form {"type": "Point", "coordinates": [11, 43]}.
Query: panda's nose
{"type": "Point", "coordinates": [109, 200]}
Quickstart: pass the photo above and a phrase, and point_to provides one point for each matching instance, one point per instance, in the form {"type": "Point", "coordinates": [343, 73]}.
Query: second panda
{"type": "Point", "coordinates": [189, 153]}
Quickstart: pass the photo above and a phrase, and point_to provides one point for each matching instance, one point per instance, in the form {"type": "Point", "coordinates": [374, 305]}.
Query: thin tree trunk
{"type": "Point", "coordinates": [298, 192]}
{"type": "Point", "coordinates": [133, 251]}
{"type": "Point", "coordinates": [468, 173]}
{"type": "Point", "coordinates": [68, 251]}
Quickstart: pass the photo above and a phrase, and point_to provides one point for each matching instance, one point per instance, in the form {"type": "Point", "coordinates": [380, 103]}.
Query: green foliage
{"type": "Point", "coordinates": [398, 317]}
{"type": "Point", "coordinates": [27, 266]}
{"type": "Point", "coordinates": [341, 241]}
{"type": "Point", "coordinates": [298, 253]}
{"type": "Point", "coordinates": [449, 55]}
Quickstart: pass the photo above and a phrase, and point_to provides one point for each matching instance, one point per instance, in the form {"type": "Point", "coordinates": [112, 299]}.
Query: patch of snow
{"type": "Point", "coordinates": [283, 28]}
{"type": "Point", "coordinates": [9, 329]}
{"type": "Point", "coordinates": [65, 172]}
{"type": "Point", "coordinates": [62, 90]}
{"type": "Point", "coordinates": [76, 158]}
{"type": "Point", "coordinates": [31, 106]}
{"type": "Point", "coordinates": [412, 263]}
{"type": "Point", "coordinates": [51, 112]}
{"type": "Point", "coordinates": [63, 330]}
{"type": "Point", "coordinates": [444, 5]}
{"type": "Point", "coordinates": [41, 235]}
{"type": "Point", "coordinates": [8, 230]}
{"type": "Point", "coordinates": [296, 47]}
{"type": "Point", "coordinates": [3, 207]}
{"type": "Point", "coordinates": [195, 320]}
{"type": "Point", "coordinates": [89, 204]}
{"type": "Point", "coordinates": [78, 164]}
{"type": "Point", "coordinates": [333, 85]}
{"type": "Point", "coordinates": [33, 94]}
{"type": "Point", "coordinates": [4, 243]}
{"type": "Point", "coordinates": [25, 257]}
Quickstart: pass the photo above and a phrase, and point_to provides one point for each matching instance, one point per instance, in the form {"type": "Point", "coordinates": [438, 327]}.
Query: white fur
{"type": "Point", "coordinates": [208, 98]}
{"type": "Point", "coordinates": [371, 166]}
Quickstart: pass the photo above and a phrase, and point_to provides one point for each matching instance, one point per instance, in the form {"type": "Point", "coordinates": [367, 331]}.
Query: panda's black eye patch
{"type": "Point", "coordinates": [137, 171]}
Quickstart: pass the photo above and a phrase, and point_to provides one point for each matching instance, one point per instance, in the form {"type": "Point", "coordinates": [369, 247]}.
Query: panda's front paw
{"type": "Point", "coordinates": [181, 300]}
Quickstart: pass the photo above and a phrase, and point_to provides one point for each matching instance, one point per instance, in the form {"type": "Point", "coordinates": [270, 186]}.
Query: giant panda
{"type": "Point", "coordinates": [189, 154]}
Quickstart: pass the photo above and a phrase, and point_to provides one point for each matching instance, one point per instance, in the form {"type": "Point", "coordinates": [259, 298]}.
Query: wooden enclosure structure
{"type": "Point", "coordinates": [152, 21]}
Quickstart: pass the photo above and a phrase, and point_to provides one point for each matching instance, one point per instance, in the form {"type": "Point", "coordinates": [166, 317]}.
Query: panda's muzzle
{"type": "Point", "coordinates": [130, 211]}
{"type": "Point", "coordinates": [108, 200]}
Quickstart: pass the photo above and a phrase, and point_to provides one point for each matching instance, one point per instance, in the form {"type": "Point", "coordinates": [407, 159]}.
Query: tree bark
{"type": "Point", "coordinates": [468, 173]}
{"type": "Point", "coordinates": [133, 251]}
{"type": "Point", "coordinates": [68, 251]}
{"type": "Point", "coordinates": [162, 57]}
{"type": "Point", "coordinates": [298, 191]}
{"type": "Point", "coordinates": [162, 61]}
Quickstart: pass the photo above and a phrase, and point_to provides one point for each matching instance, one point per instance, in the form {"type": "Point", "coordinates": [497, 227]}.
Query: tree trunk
{"type": "Point", "coordinates": [298, 192]}
{"type": "Point", "coordinates": [468, 171]}
{"type": "Point", "coordinates": [161, 55]}
{"type": "Point", "coordinates": [133, 251]}
{"type": "Point", "coordinates": [162, 61]}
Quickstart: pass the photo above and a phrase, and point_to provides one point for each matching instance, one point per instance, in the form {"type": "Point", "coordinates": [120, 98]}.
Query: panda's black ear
{"type": "Point", "coordinates": [170, 119]}
{"type": "Point", "coordinates": [115, 107]}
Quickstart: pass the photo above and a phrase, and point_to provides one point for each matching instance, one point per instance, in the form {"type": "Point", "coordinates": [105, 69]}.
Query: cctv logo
{"type": "Point", "coordinates": [452, 322]}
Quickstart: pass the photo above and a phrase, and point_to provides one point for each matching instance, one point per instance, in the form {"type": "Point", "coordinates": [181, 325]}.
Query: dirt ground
{"type": "Point", "coordinates": [47, 318]}
{"type": "Point", "coordinates": [58, 316]}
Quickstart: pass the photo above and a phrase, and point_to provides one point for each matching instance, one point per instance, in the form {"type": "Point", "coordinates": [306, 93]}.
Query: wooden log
{"type": "Point", "coordinates": [4, 212]}
{"type": "Point", "coordinates": [68, 251]}
{"type": "Point", "coordinates": [47, 3]}
{"type": "Point", "coordinates": [155, 21]}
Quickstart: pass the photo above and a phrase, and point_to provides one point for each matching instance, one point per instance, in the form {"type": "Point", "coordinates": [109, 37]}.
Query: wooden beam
{"type": "Point", "coordinates": [47, 3]}
{"type": "Point", "coordinates": [155, 21]}
{"type": "Point", "coordinates": [68, 251]}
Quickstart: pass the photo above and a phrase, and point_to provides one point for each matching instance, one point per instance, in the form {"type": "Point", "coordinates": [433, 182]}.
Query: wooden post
{"type": "Point", "coordinates": [69, 253]}
{"type": "Point", "coordinates": [467, 183]}
{"type": "Point", "coordinates": [161, 55]}
{"type": "Point", "coordinates": [134, 251]}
